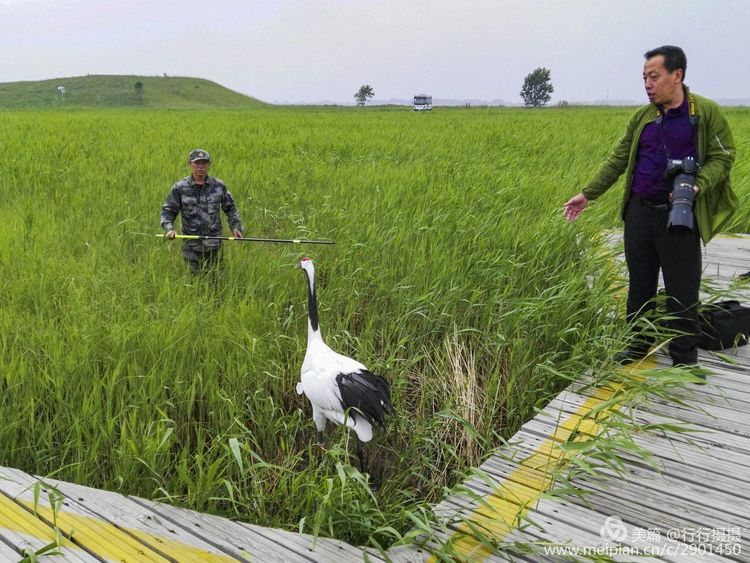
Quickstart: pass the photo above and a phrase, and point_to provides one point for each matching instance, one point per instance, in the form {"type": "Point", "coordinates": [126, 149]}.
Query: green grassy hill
{"type": "Point", "coordinates": [120, 91]}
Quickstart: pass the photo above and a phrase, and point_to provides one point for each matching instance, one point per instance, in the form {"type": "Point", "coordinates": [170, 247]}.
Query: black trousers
{"type": "Point", "coordinates": [649, 247]}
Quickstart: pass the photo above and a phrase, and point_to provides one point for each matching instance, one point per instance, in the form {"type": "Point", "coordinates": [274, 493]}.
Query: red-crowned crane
{"type": "Point", "coordinates": [339, 388]}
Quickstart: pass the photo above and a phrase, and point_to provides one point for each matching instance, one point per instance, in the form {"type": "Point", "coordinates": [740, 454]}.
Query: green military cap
{"type": "Point", "coordinates": [199, 154]}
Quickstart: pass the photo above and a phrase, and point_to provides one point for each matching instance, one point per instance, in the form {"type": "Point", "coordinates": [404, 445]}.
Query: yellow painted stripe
{"type": "Point", "coordinates": [501, 511]}
{"type": "Point", "coordinates": [97, 536]}
{"type": "Point", "coordinates": [14, 518]}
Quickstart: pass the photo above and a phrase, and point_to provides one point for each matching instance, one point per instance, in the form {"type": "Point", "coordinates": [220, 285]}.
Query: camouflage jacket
{"type": "Point", "coordinates": [200, 207]}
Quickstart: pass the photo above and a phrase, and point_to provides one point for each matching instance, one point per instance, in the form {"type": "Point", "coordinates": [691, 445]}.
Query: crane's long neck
{"type": "Point", "coordinates": [313, 328]}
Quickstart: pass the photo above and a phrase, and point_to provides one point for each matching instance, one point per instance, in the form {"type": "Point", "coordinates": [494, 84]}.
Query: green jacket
{"type": "Point", "coordinates": [715, 203]}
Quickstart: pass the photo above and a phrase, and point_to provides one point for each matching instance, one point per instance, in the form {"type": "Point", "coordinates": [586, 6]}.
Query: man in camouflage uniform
{"type": "Point", "coordinates": [200, 198]}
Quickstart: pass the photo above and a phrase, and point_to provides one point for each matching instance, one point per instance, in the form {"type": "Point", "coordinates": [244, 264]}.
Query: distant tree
{"type": "Point", "coordinates": [537, 88]}
{"type": "Point", "coordinates": [364, 93]}
{"type": "Point", "coordinates": [139, 89]}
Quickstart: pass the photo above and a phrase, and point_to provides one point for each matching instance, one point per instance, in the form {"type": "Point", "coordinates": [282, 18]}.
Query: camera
{"type": "Point", "coordinates": [683, 173]}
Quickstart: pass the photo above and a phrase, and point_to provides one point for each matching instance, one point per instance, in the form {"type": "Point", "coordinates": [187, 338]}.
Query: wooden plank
{"type": "Point", "coordinates": [13, 543]}
{"type": "Point", "coordinates": [616, 493]}
{"type": "Point", "coordinates": [688, 454]}
{"type": "Point", "coordinates": [722, 429]}
{"type": "Point", "coordinates": [7, 553]}
{"type": "Point", "coordinates": [505, 489]}
{"type": "Point", "coordinates": [256, 540]}
{"type": "Point", "coordinates": [687, 490]}
{"type": "Point", "coordinates": [83, 527]}
{"type": "Point", "coordinates": [458, 514]}
{"type": "Point", "coordinates": [225, 534]}
{"type": "Point", "coordinates": [654, 491]}
{"type": "Point", "coordinates": [740, 483]}
{"type": "Point", "coordinates": [731, 464]}
{"type": "Point", "coordinates": [721, 389]}
{"type": "Point", "coordinates": [729, 445]}
{"type": "Point", "coordinates": [572, 527]}
{"type": "Point", "coordinates": [22, 530]}
{"type": "Point", "coordinates": [710, 395]}
{"type": "Point", "coordinates": [725, 376]}
{"type": "Point", "coordinates": [721, 251]}
{"type": "Point", "coordinates": [508, 503]}
{"type": "Point", "coordinates": [409, 554]}
{"type": "Point", "coordinates": [133, 519]}
{"type": "Point", "coordinates": [509, 470]}
{"type": "Point", "coordinates": [322, 549]}
{"type": "Point", "coordinates": [548, 511]}
{"type": "Point", "coordinates": [725, 428]}
{"type": "Point", "coordinates": [516, 493]}
{"type": "Point", "coordinates": [713, 416]}
{"type": "Point", "coordinates": [646, 509]}
{"type": "Point", "coordinates": [532, 515]}
{"type": "Point", "coordinates": [424, 549]}
{"type": "Point", "coordinates": [181, 534]}
{"type": "Point", "coordinates": [713, 393]}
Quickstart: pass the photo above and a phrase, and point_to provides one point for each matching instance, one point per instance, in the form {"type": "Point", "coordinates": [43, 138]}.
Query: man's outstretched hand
{"type": "Point", "coordinates": [574, 206]}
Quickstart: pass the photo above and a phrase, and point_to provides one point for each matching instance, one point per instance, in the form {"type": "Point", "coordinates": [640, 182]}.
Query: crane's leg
{"type": "Point", "coordinates": [320, 425]}
{"type": "Point", "coordinates": [374, 482]}
{"type": "Point", "coordinates": [361, 456]}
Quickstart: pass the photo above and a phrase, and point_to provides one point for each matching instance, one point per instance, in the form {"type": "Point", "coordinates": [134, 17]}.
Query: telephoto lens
{"type": "Point", "coordinates": [681, 216]}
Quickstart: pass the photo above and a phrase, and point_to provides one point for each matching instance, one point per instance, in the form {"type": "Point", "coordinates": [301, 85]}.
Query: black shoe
{"type": "Point", "coordinates": [629, 355]}
{"type": "Point", "coordinates": [745, 276]}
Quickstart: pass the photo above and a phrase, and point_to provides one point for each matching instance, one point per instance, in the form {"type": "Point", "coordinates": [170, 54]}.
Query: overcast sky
{"type": "Point", "coordinates": [315, 50]}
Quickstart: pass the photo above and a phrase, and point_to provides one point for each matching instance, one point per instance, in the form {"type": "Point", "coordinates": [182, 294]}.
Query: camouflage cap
{"type": "Point", "coordinates": [199, 154]}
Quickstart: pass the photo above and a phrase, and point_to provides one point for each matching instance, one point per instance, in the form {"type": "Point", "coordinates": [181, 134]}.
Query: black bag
{"type": "Point", "coordinates": [723, 325]}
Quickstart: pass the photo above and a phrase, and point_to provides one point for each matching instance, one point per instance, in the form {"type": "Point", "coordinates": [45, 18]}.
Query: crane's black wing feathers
{"type": "Point", "coordinates": [366, 394]}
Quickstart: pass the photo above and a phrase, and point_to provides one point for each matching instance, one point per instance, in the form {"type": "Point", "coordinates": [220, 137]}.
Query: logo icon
{"type": "Point", "coordinates": [613, 530]}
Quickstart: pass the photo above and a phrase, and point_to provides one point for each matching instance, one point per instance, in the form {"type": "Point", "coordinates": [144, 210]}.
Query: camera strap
{"type": "Point", "coordinates": [692, 110]}
{"type": "Point", "coordinates": [692, 115]}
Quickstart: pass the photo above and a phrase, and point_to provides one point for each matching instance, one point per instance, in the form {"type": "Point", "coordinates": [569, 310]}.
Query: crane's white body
{"type": "Point", "coordinates": [339, 388]}
{"type": "Point", "coordinates": [318, 383]}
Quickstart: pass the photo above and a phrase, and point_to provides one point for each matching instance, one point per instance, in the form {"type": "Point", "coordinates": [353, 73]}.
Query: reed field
{"type": "Point", "coordinates": [454, 275]}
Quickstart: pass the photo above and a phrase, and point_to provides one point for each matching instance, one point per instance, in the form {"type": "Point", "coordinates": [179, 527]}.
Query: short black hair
{"type": "Point", "coordinates": [674, 58]}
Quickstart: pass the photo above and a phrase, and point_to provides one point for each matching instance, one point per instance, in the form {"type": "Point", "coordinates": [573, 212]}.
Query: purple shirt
{"type": "Point", "coordinates": [676, 132]}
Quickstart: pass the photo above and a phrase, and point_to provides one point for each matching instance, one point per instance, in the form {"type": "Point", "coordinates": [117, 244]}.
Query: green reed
{"type": "Point", "coordinates": [453, 274]}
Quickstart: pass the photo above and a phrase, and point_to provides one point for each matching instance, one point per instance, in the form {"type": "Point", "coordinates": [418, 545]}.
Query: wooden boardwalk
{"type": "Point", "coordinates": [693, 506]}
{"type": "Point", "coordinates": [108, 526]}
{"type": "Point", "coordinates": [101, 525]}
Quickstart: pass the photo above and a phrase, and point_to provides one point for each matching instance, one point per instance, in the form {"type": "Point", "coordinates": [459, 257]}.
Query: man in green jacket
{"type": "Point", "coordinates": [675, 125]}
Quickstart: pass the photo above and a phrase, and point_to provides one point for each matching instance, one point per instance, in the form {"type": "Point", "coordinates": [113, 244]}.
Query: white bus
{"type": "Point", "coordinates": [422, 102]}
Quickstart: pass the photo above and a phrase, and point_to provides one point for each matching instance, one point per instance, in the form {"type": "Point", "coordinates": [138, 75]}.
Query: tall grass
{"type": "Point", "coordinates": [454, 275]}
